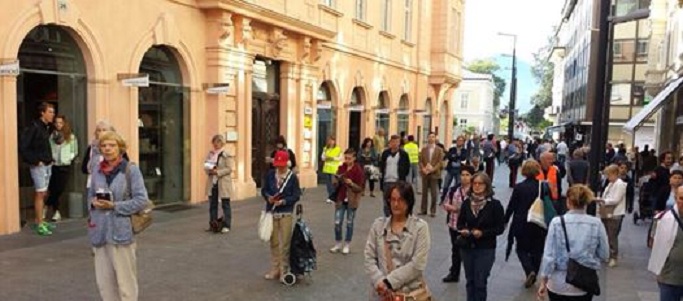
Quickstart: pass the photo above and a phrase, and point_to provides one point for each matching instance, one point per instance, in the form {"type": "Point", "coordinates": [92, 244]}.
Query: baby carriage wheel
{"type": "Point", "coordinates": [288, 279]}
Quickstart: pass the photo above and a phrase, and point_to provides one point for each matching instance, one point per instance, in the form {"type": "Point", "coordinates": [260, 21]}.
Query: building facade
{"type": "Point", "coordinates": [473, 104]}
{"type": "Point", "coordinates": [664, 81]}
{"type": "Point", "coordinates": [303, 69]}
{"type": "Point", "coordinates": [629, 62]}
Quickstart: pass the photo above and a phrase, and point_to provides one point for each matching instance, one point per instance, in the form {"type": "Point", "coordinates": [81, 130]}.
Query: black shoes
{"type": "Point", "coordinates": [530, 280]}
{"type": "Point", "coordinates": [451, 278]}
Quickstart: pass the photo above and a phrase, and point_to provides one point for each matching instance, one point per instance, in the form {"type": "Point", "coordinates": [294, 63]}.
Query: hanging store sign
{"type": "Point", "coordinates": [134, 79]}
{"type": "Point", "coordinates": [9, 68]}
{"type": "Point", "coordinates": [356, 108]}
{"type": "Point", "coordinates": [308, 111]}
{"type": "Point", "coordinates": [217, 88]}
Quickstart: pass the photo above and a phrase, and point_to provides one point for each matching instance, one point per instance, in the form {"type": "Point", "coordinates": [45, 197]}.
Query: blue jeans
{"type": "Point", "coordinates": [478, 264]}
{"type": "Point", "coordinates": [450, 177]}
{"type": "Point", "coordinates": [413, 175]}
{"type": "Point", "coordinates": [670, 292]}
{"type": "Point", "coordinates": [339, 221]}
{"type": "Point", "coordinates": [329, 185]}
{"type": "Point", "coordinates": [41, 177]}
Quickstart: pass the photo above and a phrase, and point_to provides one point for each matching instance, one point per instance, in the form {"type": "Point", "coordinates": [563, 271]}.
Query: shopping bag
{"type": "Point", "coordinates": [265, 225]}
{"type": "Point", "coordinates": [536, 213]}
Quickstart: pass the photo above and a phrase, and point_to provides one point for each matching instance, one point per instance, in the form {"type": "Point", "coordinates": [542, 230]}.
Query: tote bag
{"type": "Point", "coordinates": [536, 213]}
{"type": "Point", "coordinates": [265, 224]}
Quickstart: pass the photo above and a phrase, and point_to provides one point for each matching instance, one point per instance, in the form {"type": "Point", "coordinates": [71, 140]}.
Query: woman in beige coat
{"type": "Point", "coordinates": [218, 166]}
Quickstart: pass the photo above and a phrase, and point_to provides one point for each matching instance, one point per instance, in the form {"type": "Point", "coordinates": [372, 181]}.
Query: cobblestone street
{"type": "Point", "coordinates": [177, 260]}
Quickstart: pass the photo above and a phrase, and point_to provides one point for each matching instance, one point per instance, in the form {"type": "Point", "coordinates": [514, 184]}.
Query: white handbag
{"type": "Point", "coordinates": [265, 225]}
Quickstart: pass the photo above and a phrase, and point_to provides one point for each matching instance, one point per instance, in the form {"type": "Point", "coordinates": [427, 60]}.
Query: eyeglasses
{"type": "Point", "coordinates": [478, 183]}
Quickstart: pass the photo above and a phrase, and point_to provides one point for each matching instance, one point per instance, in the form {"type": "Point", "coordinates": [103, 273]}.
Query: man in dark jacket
{"type": "Point", "coordinates": [36, 151]}
{"type": "Point", "coordinates": [394, 165]}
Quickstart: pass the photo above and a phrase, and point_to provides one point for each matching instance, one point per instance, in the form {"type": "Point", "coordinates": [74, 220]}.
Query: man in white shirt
{"type": "Point", "coordinates": [562, 151]}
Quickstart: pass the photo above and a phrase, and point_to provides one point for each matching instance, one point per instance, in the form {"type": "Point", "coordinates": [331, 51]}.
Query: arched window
{"type": "Point", "coordinates": [403, 115]}
{"type": "Point", "coordinates": [382, 112]}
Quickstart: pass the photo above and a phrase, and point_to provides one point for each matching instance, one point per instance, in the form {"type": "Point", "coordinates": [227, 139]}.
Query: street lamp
{"type": "Point", "coordinates": [513, 87]}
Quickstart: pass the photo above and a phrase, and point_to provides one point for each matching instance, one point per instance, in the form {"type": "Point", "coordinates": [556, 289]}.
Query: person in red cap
{"type": "Point", "coordinates": [281, 191]}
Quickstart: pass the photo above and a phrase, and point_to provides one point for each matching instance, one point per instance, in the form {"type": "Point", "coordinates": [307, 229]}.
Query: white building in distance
{"type": "Point", "coordinates": [473, 104]}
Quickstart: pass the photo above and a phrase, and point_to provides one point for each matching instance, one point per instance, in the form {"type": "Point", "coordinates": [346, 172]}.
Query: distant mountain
{"type": "Point", "coordinates": [526, 85]}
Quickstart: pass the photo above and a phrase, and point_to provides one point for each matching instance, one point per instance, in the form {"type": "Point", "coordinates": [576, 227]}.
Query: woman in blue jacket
{"type": "Point", "coordinates": [281, 192]}
{"type": "Point", "coordinates": [113, 198]}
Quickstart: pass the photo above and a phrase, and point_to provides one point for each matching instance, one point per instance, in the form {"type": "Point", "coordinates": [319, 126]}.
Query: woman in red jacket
{"type": "Point", "coordinates": [350, 181]}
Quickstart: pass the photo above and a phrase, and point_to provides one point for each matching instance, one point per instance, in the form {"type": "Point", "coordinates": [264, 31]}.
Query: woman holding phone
{"type": "Point", "coordinates": [117, 191]}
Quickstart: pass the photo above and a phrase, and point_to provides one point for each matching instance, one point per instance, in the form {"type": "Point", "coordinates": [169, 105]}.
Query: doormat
{"type": "Point", "coordinates": [174, 207]}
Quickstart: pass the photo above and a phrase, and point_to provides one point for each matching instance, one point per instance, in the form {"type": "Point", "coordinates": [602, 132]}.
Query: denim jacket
{"type": "Point", "coordinates": [114, 226]}
{"type": "Point", "coordinates": [587, 242]}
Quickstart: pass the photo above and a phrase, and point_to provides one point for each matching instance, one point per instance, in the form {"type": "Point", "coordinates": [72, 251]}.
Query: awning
{"type": "Point", "coordinates": [654, 105]}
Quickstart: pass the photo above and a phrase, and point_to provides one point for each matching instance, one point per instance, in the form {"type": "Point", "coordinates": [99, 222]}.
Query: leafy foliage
{"type": "Point", "coordinates": [489, 66]}
{"type": "Point", "coordinates": [543, 70]}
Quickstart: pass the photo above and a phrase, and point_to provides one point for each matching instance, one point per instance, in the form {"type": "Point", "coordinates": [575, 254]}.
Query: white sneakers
{"type": "Point", "coordinates": [57, 217]}
{"type": "Point", "coordinates": [329, 201]}
{"type": "Point", "coordinates": [612, 263]}
{"type": "Point", "coordinates": [225, 230]}
{"type": "Point", "coordinates": [336, 248]}
{"type": "Point", "coordinates": [344, 248]}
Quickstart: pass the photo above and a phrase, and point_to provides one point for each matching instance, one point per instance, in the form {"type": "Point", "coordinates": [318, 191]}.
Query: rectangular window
{"type": "Point", "coordinates": [360, 10]}
{"type": "Point", "coordinates": [329, 3]}
{"type": "Point", "coordinates": [642, 49]}
{"type": "Point", "coordinates": [386, 17]}
{"type": "Point", "coordinates": [464, 101]}
{"type": "Point", "coordinates": [408, 20]}
{"type": "Point", "coordinates": [453, 32]}
{"type": "Point", "coordinates": [462, 123]}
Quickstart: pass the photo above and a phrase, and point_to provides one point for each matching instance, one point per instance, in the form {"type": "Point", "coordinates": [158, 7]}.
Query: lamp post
{"type": "Point", "coordinates": [513, 87]}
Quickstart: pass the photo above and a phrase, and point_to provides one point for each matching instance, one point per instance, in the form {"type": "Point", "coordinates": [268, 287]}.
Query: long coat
{"type": "Point", "coordinates": [526, 234]}
{"type": "Point", "coordinates": [224, 173]}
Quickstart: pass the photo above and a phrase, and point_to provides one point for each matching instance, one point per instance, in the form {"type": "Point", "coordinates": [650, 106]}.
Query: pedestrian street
{"type": "Point", "coordinates": [178, 260]}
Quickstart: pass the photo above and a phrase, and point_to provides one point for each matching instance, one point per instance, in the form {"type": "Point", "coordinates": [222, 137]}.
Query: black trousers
{"type": "Point", "coordinates": [456, 261]}
{"type": "Point", "coordinates": [490, 166]}
{"type": "Point", "coordinates": [58, 181]}
{"type": "Point", "coordinates": [514, 170]}
{"type": "Point", "coordinates": [213, 208]}
{"type": "Point", "coordinates": [530, 258]}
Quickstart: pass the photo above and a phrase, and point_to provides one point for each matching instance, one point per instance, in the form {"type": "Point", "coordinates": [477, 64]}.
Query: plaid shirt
{"type": "Point", "coordinates": [455, 199]}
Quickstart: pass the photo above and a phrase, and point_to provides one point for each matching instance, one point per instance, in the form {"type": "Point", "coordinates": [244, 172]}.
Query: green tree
{"type": "Point", "coordinates": [534, 117]}
{"type": "Point", "coordinates": [543, 71]}
{"type": "Point", "coordinates": [489, 66]}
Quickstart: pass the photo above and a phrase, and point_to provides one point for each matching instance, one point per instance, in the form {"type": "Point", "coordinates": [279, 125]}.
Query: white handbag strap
{"type": "Point", "coordinates": [284, 183]}
{"type": "Point", "coordinates": [540, 189]}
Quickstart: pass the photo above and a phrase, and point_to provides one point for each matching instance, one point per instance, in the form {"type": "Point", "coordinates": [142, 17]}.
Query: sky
{"type": "Point", "coordinates": [531, 20]}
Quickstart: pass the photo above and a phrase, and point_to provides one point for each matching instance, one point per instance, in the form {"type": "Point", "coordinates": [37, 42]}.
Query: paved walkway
{"type": "Point", "coordinates": [177, 260]}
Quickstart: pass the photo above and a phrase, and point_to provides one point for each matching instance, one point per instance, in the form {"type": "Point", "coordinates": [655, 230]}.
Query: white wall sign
{"type": "Point", "coordinates": [307, 146]}
{"type": "Point", "coordinates": [308, 111]}
{"type": "Point", "coordinates": [9, 68]}
{"type": "Point", "coordinates": [134, 80]}
{"type": "Point", "coordinates": [382, 111]}
{"type": "Point", "coordinates": [308, 134]}
{"type": "Point", "coordinates": [231, 136]}
{"type": "Point", "coordinates": [218, 90]}
{"type": "Point", "coordinates": [356, 108]}
{"type": "Point", "coordinates": [403, 112]}
{"type": "Point", "coordinates": [679, 120]}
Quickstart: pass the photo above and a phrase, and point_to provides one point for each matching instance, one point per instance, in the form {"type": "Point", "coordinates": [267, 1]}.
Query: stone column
{"type": "Point", "coordinates": [9, 178]}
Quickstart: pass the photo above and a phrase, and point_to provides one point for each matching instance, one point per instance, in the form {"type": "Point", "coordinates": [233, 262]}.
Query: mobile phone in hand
{"type": "Point", "coordinates": [103, 196]}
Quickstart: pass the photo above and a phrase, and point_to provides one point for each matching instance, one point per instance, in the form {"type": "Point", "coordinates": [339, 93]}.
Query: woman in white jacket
{"type": "Point", "coordinates": [613, 208]}
{"type": "Point", "coordinates": [667, 251]}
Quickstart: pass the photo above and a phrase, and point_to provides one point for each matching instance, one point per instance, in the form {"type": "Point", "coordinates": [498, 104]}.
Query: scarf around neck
{"type": "Point", "coordinates": [477, 204]}
{"type": "Point", "coordinates": [107, 168]}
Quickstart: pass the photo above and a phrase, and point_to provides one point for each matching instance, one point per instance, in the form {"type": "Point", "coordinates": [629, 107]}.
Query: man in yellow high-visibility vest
{"type": "Point", "coordinates": [413, 151]}
{"type": "Point", "coordinates": [331, 157]}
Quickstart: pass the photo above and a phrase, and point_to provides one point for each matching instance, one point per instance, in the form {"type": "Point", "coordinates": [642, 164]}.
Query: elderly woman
{"type": "Point", "coordinates": [117, 191]}
{"type": "Point", "coordinates": [612, 209]}
{"type": "Point", "coordinates": [218, 166]}
{"type": "Point", "coordinates": [281, 191]}
{"type": "Point", "coordinates": [397, 248]}
{"type": "Point", "coordinates": [667, 251]}
{"type": "Point", "coordinates": [587, 245]}
{"type": "Point", "coordinates": [92, 156]}
{"type": "Point", "coordinates": [530, 237]}
{"type": "Point", "coordinates": [452, 204]}
{"type": "Point", "coordinates": [481, 220]}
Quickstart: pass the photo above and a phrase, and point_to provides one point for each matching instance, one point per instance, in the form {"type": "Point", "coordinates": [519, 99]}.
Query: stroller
{"type": "Point", "coordinates": [302, 254]}
{"type": "Point", "coordinates": [646, 202]}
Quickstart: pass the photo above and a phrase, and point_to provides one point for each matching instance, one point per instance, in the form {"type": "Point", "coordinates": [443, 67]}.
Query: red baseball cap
{"type": "Point", "coordinates": [281, 158]}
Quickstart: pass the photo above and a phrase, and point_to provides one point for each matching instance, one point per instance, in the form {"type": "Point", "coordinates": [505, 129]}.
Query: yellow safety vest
{"type": "Point", "coordinates": [331, 165]}
{"type": "Point", "coordinates": [413, 152]}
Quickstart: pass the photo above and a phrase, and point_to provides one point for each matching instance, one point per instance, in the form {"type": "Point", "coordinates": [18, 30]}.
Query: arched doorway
{"type": "Point", "coordinates": [427, 121]}
{"type": "Point", "coordinates": [163, 127]}
{"type": "Point", "coordinates": [382, 118]}
{"type": "Point", "coordinates": [443, 123]}
{"type": "Point", "coordinates": [356, 117]}
{"type": "Point", "coordinates": [326, 121]}
{"type": "Point", "coordinates": [402, 115]}
{"type": "Point", "coordinates": [52, 70]}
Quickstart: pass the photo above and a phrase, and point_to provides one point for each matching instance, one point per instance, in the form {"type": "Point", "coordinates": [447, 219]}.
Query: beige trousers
{"type": "Point", "coordinates": [116, 272]}
{"type": "Point", "coordinates": [279, 243]}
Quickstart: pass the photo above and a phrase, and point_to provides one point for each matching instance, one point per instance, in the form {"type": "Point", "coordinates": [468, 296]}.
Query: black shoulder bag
{"type": "Point", "coordinates": [579, 275]}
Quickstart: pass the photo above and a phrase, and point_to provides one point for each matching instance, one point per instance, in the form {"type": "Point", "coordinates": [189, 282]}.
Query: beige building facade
{"type": "Point", "coordinates": [158, 70]}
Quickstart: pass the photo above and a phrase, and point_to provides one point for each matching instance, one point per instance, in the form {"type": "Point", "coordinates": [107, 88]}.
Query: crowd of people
{"type": "Point", "coordinates": [457, 180]}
